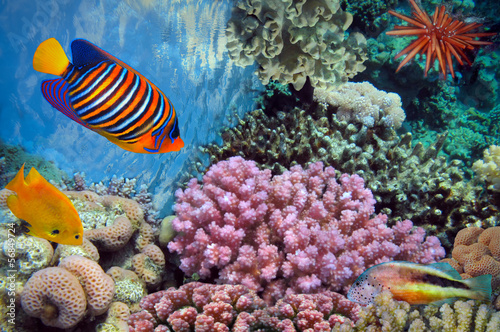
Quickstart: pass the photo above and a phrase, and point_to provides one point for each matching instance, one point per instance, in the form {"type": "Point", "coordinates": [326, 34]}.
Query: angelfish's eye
{"type": "Point", "coordinates": [55, 232]}
{"type": "Point", "coordinates": [77, 237]}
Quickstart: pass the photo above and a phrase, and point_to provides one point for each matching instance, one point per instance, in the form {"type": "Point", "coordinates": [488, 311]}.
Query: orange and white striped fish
{"type": "Point", "coordinates": [108, 96]}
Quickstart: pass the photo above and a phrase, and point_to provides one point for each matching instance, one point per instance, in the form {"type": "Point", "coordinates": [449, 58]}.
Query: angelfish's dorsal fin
{"type": "Point", "coordinates": [448, 269]}
{"type": "Point", "coordinates": [84, 52]}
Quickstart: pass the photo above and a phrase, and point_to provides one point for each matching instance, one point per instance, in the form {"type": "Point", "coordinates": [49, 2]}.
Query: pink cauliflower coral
{"type": "Point", "coordinates": [206, 307]}
{"type": "Point", "coordinates": [300, 232]}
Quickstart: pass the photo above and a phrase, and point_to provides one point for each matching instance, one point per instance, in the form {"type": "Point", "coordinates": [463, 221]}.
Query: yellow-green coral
{"type": "Point", "coordinates": [488, 169]}
{"type": "Point", "coordinates": [295, 39]}
{"type": "Point", "coordinates": [386, 314]}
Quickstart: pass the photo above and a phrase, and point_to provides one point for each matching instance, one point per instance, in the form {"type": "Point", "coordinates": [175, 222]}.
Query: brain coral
{"type": "Point", "coordinates": [86, 249]}
{"type": "Point", "coordinates": [294, 39]}
{"type": "Point", "coordinates": [55, 296]}
{"type": "Point", "coordinates": [477, 252]}
{"type": "Point", "coordinates": [111, 238]}
{"type": "Point", "coordinates": [98, 286]}
{"type": "Point", "coordinates": [149, 264]}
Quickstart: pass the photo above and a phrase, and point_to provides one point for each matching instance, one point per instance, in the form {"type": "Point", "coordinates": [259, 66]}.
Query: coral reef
{"type": "Point", "coordinates": [98, 286]}
{"type": "Point", "coordinates": [149, 265]}
{"type": "Point", "coordinates": [477, 252]}
{"type": "Point", "coordinates": [86, 249]}
{"type": "Point", "coordinates": [13, 157]}
{"type": "Point", "coordinates": [111, 238]}
{"type": "Point", "coordinates": [129, 288]}
{"type": "Point", "coordinates": [116, 321]}
{"type": "Point", "coordinates": [292, 40]}
{"type": "Point", "coordinates": [60, 296]}
{"type": "Point", "coordinates": [55, 296]}
{"type": "Point", "coordinates": [207, 307]}
{"type": "Point", "coordinates": [363, 103]}
{"type": "Point", "coordinates": [387, 314]}
{"type": "Point", "coordinates": [370, 16]}
{"type": "Point", "coordinates": [488, 169]}
{"type": "Point", "coordinates": [407, 180]}
{"type": "Point", "coordinates": [300, 232]}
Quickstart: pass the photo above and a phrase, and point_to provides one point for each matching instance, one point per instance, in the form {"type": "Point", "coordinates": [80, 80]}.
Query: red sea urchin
{"type": "Point", "coordinates": [438, 38]}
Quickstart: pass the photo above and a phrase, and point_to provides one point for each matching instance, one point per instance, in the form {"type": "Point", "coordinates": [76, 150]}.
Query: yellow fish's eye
{"type": "Point", "coordinates": [77, 237]}
{"type": "Point", "coordinates": [55, 232]}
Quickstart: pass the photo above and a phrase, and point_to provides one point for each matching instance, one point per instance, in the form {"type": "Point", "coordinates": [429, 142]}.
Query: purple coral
{"type": "Point", "coordinates": [299, 232]}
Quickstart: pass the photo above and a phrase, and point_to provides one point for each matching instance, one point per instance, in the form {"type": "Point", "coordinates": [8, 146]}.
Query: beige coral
{"type": "Point", "coordinates": [117, 318]}
{"type": "Point", "coordinates": [363, 103]}
{"type": "Point", "coordinates": [131, 208]}
{"type": "Point", "coordinates": [86, 249]}
{"type": "Point", "coordinates": [111, 238]}
{"type": "Point", "coordinates": [31, 253]}
{"type": "Point", "coordinates": [129, 288]}
{"type": "Point", "coordinates": [98, 286]}
{"type": "Point", "coordinates": [55, 296]}
{"type": "Point", "coordinates": [4, 194]}
{"type": "Point", "coordinates": [92, 201]}
{"type": "Point", "coordinates": [149, 265]}
{"type": "Point", "coordinates": [488, 169]}
{"type": "Point", "coordinates": [294, 39]}
{"type": "Point", "coordinates": [145, 237]}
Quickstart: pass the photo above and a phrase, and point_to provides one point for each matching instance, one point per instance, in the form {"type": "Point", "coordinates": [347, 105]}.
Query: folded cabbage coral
{"type": "Point", "coordinates": [304, 231]}
{"type": "Point", "coordinates": [292, 40]}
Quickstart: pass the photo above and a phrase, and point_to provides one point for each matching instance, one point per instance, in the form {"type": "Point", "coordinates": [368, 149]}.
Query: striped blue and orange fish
{"type": "Point", "coordinates": [108, 96]}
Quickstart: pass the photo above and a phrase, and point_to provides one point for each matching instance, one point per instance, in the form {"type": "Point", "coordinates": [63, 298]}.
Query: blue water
{"type": "Point", "coordinates": [179, 46]}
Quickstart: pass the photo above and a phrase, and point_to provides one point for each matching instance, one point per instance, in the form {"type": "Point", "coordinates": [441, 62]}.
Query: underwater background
{"type": "Point", "coordinates": [309, 156]}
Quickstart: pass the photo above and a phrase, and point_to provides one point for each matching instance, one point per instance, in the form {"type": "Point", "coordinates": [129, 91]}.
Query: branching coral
{"type": "Point", "coordinates": [205, 307]}
{"type": "Point", "coordinates": [301, 232]}
{"type": "Point", "coordinates": [385, 314]}
{"type": "Point", "coordinates": [292, 40]}
{"type": "Point", "coordinates": [408, 180]}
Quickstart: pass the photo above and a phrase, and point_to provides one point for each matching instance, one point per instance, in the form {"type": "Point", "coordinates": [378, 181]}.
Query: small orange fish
{"type": "Point", "coordinates": [418, 284]}
{"type": "Point", "coordinates": [49, 213]}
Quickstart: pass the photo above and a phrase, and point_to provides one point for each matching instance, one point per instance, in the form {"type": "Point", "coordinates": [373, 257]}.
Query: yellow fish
{"type": "Point", "coordinates": [49, 213]}
{"type": "Point", "coordinates": [418, 284]}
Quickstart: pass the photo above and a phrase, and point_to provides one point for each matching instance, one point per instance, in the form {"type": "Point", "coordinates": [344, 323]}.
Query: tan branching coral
{"type": "Point", "coordinates": [98, 286]}
{"type": "Point", "coordinates": [293, 39]}
{"type": "Point", "coordinates": [386, 314]}
{"type": "Point", "coordinates": [55, 296]}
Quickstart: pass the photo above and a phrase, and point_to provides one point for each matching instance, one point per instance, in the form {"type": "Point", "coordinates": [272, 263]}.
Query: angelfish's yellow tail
{"type": "Point", "coordinates": [50, 58]}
